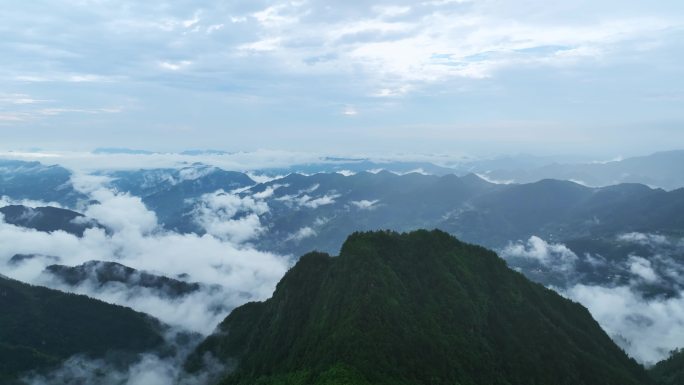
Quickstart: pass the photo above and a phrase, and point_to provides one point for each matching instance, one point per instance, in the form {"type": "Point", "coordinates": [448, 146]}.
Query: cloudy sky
{"type": "Point", "coordinates": [481, 76]}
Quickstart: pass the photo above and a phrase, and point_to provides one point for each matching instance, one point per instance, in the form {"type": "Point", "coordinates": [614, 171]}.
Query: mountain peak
{"type": "Point", "coordinates": [414, 308]}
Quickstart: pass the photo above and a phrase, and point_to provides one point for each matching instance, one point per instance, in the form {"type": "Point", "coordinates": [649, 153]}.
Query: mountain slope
{"type": "Point", "coordinates": [101, 273]}
{"type": "Point", "coordinates": [317, 212]}
{"type": "Point", "coordinates": [169, 204]}
{"type": "Point", "coordinates": [416, 308]}
{"type": "Point", "coordinates": [33, 180]}
{"type": "Point", "coordinates": [40, 327]}
{"type": "Point", "coordinates": [671, 370]}
{"type": "Point", "coordinates": [48, 219]}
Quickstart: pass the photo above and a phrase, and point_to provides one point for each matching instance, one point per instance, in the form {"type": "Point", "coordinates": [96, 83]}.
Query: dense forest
{"type": "Point", "coordinates": [414, 308]}
{"type": "Point", "coordinates": [671, 370]}
{"type": "Point", "coordinates": [40, 327]}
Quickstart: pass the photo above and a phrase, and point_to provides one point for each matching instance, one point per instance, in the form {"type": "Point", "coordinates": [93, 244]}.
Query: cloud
{"type": "Point", "coordinates": [403, 41]}
{"type": "Point", "coordinates": [303, 198]}
{"type": "Point", "coordinates": [19, 99]}
{"type": "Point", "coordinates": [175, 66]}
{"type": "Point", "coordinates": [365, 204]}
{"type": "Point", "coordinates": [637, 299]}
{"type": "Point", "coordinates": [643, 239]}
{"type": "Point", "coordinates": [143, 369]}
{"type": "Point", "coordinates": [191, 166]}
{"type": "Point", "coordinates": [388, 62]}
{"type": "Point", "coordinates": [313, 203]}
{"type": "Point", "coordinates": [642, 268]}
{"type": "Point", "coordinates": [350, 111]}
{"type": "Point", "coordinates": [304, 232]}
{"type": "Point", "coordinates": [121, 212]}
{"type": "Point", "coordinates": [346, 172]}
{"type": "Point", "coordinates": [232, 272]}
{"type": "Point", "coordinates": [648, 329]}
{"type": "Point", "coordinates": [229, 216]}
{"type": "Point", "coordinates": [7, 201]}
{"type": "Point", "coordinates": [551, 255]}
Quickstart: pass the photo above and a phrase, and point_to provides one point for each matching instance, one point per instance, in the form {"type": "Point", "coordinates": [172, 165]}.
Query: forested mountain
{"type": "Point", "coordinates": [100, 273]}
{"type": "Point", "coordinates": [170, 192]}
{"type": "Point", "coordinates": [415, 308]}
{"type": "Point", "coordinates": [671, 370]}
{"type": "Point", "coordinates": [35, 181]}
{"type": "Point", "coordinates": [48, 219]}
{"type": "Point", "coordinates": [40, 327]}
{"type": "Point", "coordinates": [330, 206]}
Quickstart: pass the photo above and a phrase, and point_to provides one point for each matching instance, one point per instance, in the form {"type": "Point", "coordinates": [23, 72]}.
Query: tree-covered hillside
{"type": "Point", "coordinates": [415, 308]}
{"type": "Point", "coordinates": [671, 370]}
{"type": "Point", "coordinates": [40, 327]}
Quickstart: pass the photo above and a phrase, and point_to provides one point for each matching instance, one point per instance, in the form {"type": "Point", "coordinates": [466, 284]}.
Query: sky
{"type": "Point", "coordinates": [477, 76]}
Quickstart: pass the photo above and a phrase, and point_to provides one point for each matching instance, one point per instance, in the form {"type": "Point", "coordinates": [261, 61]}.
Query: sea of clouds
{"type": "Point", "coordinates": [640, 301]}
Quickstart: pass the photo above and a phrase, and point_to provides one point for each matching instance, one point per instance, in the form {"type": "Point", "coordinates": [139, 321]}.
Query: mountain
{"type": "Point", "coordinates": [33, 180]}
{"type": "Point", "coordinates": [316, 212]}
{"type": "Point", "coordinates": [143, 182]}
{"type": "Point", "coordinates": [661, 169]}
{"type": "Point", "coordinates": [205, 152]}
{"type": "Point", "coordinates": [48, 219]}
{"type": "Point", "coordinates": [355, 165]}
{"type": "Point", "coordinates": [100, 273]}
{"type": "Point", "coordinates": [40, 327]}
{"type": "Point", "coordinates": [671, 370]}
{"type": "Point", "coordinates": [414, 308]}
{"type": "Point", "coordinates": [561, 210]}
{"type": "Point", "coordinates": [331, 205]}
{"type": "Point", "coordinates": [171, 192]}
{"type": "Point", "coordinates": [657, 170]}
{"type": "Point", "coordinates": [18, 259]}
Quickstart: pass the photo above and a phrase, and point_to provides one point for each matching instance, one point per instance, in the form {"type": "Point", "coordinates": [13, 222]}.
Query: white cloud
{"type": "Point", "coordinates": [553, 255]}
{"type": "Point", "coordinates": [647, 329]}
{"type": "Point", "coordinates": [310, 202]}
{"type": "Point", "coordinates": [495, 181]}
{"type": "Point", "coordinates": [121, 212]}
{"type": "Point", "coordinates": [229, 216]}
{"type": "Point", "coordinates": [391, 10]}
{"type": "Point", "coordinates": [7, 201]}
{"type": "Point", "coordinates": [214, 28]}
{"type": "Point", "coordinates": [304, 232]}
{"type": "Point", "coordinates": [647, 324]}
{"type": "Point", "coordinates": [365, 204]}
{"type": "Point", "coordinates": [175, 66]}
{"type": "Point", "coordinates": [264, 45]}
{"type": "Point", "coordinates": [189, 23]}
{"type": "Point", "coordinates": [195, 172]}
{"type": "Point", "coordinates": [240, 272]}
{"type": "Point", "coordinates": [643, 239]}
{"type": "Point", "coordinates": [19, 99]}
{"type": "Point", "coordinates": [642, 268]}
{"type": "Point", "coordinates": [278, 15]}
{"type": "Point", "coordinates": [350, 111]}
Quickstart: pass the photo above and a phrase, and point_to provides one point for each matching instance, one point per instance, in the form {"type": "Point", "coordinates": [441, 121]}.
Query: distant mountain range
{"type": "Point", "coordinates": [316, 212]}
{"type": "Point", "coordinates": [332, 205]}
{"type": "Point", "coordinates": [661, 169]}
